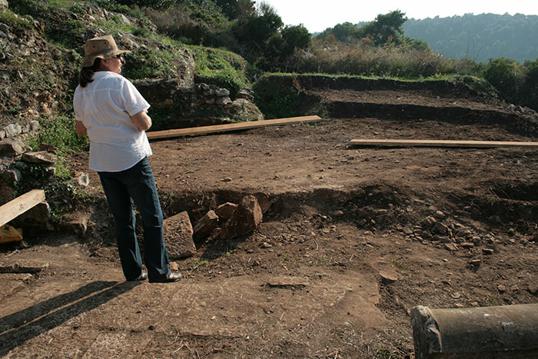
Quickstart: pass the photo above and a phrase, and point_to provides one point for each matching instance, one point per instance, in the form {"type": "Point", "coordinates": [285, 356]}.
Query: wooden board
{"type": "Point", "coordinates": [21, 204]}
{"type": "Point", "coordinates": [206, 130]}
{"type": "Point", "coordinates": [442, 143]}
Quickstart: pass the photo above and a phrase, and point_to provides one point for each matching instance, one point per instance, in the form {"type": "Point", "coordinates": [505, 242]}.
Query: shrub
{"type": "Point", "coordinates": [529, 89]}
{"type": "Point", "coordinates": [59, 132]}
{"type": "Point", "coordinates": [506, 75]}
{"type": "Point", "coordinates": [193, 22]}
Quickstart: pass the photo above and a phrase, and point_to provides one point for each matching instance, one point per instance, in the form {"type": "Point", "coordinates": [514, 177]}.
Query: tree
{"type": "Point", "coordinates": [256, 30]}
{"type": "Point", "coordinates": [295, 37]}
{"type": "Point", "coordinates": [345, 32]}
{"type": "Point", "coordinates": [235, 9]}
{"type": "Point", "coordinates": [385, 29]}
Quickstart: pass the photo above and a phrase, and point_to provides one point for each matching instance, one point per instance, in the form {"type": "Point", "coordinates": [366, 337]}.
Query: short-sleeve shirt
{"type": "Point", "coordinates": [105, 107]}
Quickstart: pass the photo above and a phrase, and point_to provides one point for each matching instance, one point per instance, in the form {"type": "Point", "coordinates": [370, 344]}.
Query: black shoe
{"type": "Point", "coordinates": [141, 277]}
{"type": "Point", "coordinates": [169, 278]}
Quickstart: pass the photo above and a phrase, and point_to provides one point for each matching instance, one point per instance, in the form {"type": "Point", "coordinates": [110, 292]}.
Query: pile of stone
{"type": "Point", "coordinates": [15, 163]}
{"type": "Point", "coordinates": [227, 221]}
{"type": "Point", "coordinates": [449, 233]}
{"type": "Point", "coordinates": [14, 130]}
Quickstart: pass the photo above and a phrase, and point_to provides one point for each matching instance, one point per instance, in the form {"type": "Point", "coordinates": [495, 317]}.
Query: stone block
{"type": "Point", "coordinates": [178, 234]}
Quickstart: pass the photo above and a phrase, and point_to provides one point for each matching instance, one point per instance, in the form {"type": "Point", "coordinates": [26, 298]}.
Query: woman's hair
{"type": "Point", "coordinates": [86, 73]}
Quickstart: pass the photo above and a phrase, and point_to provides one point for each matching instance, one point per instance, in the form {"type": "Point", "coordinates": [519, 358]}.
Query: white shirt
{"type": "Point", "coordinates": [104, 106]}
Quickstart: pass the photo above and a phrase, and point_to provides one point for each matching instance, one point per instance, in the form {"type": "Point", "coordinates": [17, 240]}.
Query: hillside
{"type": "Point", "coordinates": [479, 37]}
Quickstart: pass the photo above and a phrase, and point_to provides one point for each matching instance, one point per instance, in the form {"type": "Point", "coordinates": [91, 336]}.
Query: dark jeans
{"type": "Point", "coordinates": [137, 183]}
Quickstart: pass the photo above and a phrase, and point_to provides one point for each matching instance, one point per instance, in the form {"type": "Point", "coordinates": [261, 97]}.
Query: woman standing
{"type": "Point", "coordinates": [113, 114]}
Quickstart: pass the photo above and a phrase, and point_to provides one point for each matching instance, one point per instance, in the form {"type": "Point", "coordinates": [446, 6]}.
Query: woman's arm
{"type": "Point", "coordinates": [141, 121]}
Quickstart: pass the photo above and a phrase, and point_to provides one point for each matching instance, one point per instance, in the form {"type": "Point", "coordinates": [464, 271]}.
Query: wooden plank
{"type": "Point", "coordinates": [21, 204]}
{"type": "Point", "coordinates": [9, 234]}
{"type": "Point", "coordinates": [206, 130]}
{"type": "Point", "coordinates": [442, 143]}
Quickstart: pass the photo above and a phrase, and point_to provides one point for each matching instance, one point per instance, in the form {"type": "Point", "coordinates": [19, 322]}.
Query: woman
{"type": "Point", "coordinates": [113, 114]}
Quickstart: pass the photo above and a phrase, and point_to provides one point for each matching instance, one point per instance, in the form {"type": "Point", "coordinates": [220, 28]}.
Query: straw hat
{"type": "Point", "coordinates": [101, 47]}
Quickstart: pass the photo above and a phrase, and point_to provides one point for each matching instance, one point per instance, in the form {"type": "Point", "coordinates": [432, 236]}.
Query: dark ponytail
{"type": "Point", "coordinates": [86, 73]}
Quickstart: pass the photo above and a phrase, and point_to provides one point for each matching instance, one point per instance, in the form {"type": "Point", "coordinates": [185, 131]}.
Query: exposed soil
{"type": "Point", "coordinates": [309, 282]}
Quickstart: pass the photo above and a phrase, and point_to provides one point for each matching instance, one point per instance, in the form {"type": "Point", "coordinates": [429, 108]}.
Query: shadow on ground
{"type": "Point", "coordinates": [19, 327]}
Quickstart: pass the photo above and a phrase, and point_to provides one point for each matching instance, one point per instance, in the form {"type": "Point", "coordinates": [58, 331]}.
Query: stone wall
{"type": "Point", "coordinates": [177, 106]}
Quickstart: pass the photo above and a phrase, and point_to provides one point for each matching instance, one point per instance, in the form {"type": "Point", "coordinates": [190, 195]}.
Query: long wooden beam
{"type": "Point", "coordinates": [206, 130]}
{"type": "Point", "coordinates": [21, 204]}
{"type": "Point", "coordinates": [441, 143]}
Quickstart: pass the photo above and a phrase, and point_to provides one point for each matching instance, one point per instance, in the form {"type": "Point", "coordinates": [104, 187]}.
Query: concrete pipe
{"type": "Point", "coordinates": [491, 332]}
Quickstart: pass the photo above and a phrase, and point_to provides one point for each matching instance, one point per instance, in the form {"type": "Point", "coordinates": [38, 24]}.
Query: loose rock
{"type": "Point", "coordinates": [388, 277]}
{"type": "Point", "coordinates": [206, 225]}
{"type": "Point", "coordinates": [13, 130]}
{"type": "Point", "coordinates": [245, 220]}
{"type": "Point", "coordinates": [178, 234]}
{"type": "Point", "coordinates": [226, 210]}
{"type": "Point", "coordinates": [41, 157]}
{"type": "Point", "coordinates": [11, 148]}
{"type": "Point", "coordinates": [76, 222]}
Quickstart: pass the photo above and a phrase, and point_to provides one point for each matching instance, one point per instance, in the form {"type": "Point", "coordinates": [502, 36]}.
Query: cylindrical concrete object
{"type": "Point", "coordinates": [492, 332]}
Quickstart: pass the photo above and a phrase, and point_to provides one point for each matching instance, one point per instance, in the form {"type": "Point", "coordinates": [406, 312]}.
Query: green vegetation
{"type": "Point", "coordinates": [386, 29]}
{"type": "Point", "coordinates": [150, 63]}
{"type": "Point", "coordinates": [59, 133]}
{"type": "Point", "coordinates": [515, 82]}
{"type": "Point", "coordinates": [277, 97]}
{"type": "Point", "coordinates": [221, 68]}
{"type": "Point", "coordinates": [257, 34]}
{"type": "Point", "coordinates": [18, 22]}
{"type": "Point", "coordinates": [479, 37]}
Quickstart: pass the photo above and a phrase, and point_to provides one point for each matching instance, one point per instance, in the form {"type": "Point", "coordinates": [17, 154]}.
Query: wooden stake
{"type": "Point", "coordinates": [21, 204]}
{"type": "Point", "coordinates": [207, 130]}
{"type": "Point", "coordinates": [442, 143]}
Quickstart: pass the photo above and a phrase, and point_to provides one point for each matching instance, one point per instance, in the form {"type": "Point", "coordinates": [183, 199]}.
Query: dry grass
{"type": "Point", "coordinates": [363, 59]}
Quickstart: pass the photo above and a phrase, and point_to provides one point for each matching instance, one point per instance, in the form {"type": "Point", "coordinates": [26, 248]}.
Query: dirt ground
{"type": "Point", "coordinates": [353, 239]}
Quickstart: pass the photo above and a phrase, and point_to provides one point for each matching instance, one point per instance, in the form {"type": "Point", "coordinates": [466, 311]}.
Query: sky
{"type": "Point", "coordinates": [317, 15]}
